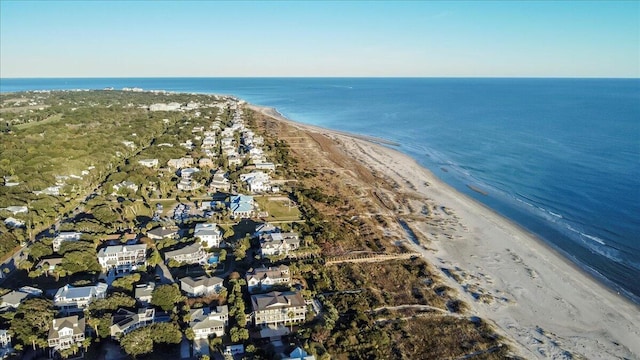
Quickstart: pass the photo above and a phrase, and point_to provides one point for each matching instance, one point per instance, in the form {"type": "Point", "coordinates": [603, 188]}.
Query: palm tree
{"type": "Point", "coordinates": [290, 314]}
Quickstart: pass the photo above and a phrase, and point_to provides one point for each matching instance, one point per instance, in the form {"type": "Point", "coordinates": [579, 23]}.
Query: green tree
{"type": "Point", "coordinates": [112, 302]}
{"type": "Point", "coordinates": [166, 296]}
{"type": "Point", "coordinates": [39, 250]}
{"type": "Point", "coordinates": [138, 342]}
{"type": "Point", "coordinates": [32, 320]}
{"type": "Point", "coordinates": [127, 282]}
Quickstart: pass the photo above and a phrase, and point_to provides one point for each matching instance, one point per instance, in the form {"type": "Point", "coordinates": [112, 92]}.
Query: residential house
{"type": "Point", "coordinates": [265, 228]}
{"type": "Point", "coordinates": [297, 354]}
{"type": "Point", "coordinates": [190, 254]}
{"type": "Point", "coordinates": [17, 209]}
{"type": "Point", "coordinates": [241, 206]}
{"type": "Point", "coordinates": [234, 159]}
{"type": "Point", "coordinates": [206, 321]}
{"type": "Point", "coordinates": [208, 234]}
{"type": "Point", "coordinates": [269, 166]}
{"type": "Point", "coordinates": [123, 258]}
{"type": "Point", "coordinates": [264, 278]}
{"type": "Point", "coordinates": [160, 233]}
{"type": "Point", "coordinates": [64, 236]}
{"type": "Point", "coordinates": [150, 163]}
{"type": "Point", "coordinates": [144, 292]}
{"type": "Point", "coordinates": [201, 285]}
{"type": "Point", "coordinates": [73, 299]}
{"type": "Point", "coordinates": [180, 163]}
{"type": "Point", "coordinates": [65, 332]}
{"type": "Point", "coordinates": [219, 182]}
{"type": "Point", "coordinates": [125, 321]}
{"type": "Point", "coordinates": [257, 181]}
{"type": "Point", "coordinates": [125, 185]}
{"type": "Point", "coordinates": [208, 142]}
{"type": "Point", "coordinates": [49, 265]}
{"type": "Point", "coordinates": [13, 222]}
{"type": "Point", "coordinates": [205, 163]}
{"type": "Point", "coordinates": [278, 308]}
{"type": "Point", "coordinates": [12, 300]}
{"type": "Point", "coordinates": [186, 182]}
{"type": "Point", "coordinates": [278, 243]}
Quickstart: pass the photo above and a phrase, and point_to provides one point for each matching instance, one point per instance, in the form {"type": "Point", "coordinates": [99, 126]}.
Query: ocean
{"type": "Point", "coordinates": [560, 157]}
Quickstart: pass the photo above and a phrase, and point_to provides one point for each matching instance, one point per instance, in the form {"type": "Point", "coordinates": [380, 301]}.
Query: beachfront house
{"type": "Point", "coordinates": [278, 308]}
{"type": "Point", "coordinates": [278, 243]}
{"type": "Point", "coordinates": [257, 181]}
{"type": "Point", "coordinates": [264, 278]}
{"type": "Point", "coordinates": [206, 321]}
{"type": "Point", "coordinates": [201, 285]}
{"type": "Point", "coordinates": [123, 258]}
{"type": "Point", "coordinates": [209, 234]}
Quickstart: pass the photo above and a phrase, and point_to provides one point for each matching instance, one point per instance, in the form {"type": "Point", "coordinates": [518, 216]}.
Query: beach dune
{"type": "Point", "coordinates": [535, 297]}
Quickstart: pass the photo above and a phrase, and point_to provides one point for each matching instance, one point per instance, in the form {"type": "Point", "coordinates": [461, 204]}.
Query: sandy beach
{"type": "Point", "coordinates": [545, 305]}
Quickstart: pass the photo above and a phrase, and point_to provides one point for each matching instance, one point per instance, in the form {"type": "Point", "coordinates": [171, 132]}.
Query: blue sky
{"type": "Point", "coordinates": [200, 38]}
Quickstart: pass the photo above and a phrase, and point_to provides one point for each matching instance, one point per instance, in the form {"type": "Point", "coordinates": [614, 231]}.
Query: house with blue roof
{"type": "Point", "coordinates": [241, 206]}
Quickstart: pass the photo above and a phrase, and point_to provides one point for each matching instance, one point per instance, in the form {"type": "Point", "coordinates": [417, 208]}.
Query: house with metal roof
{"type": "Point", "coordinates": [71, 299]}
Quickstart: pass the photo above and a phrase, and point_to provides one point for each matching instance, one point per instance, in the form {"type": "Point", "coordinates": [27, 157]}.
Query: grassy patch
{"type": "Point", "coordinates": [278, 208]}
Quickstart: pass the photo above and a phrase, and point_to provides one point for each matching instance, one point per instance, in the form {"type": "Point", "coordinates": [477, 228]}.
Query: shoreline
{"type": "Point", "coordinates": [585, 316]}
{"type": "Point", "coordinates": [562, 255]}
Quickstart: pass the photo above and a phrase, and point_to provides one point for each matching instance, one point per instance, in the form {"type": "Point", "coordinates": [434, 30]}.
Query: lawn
{"type": "Point", "coordinates": [279, 208]}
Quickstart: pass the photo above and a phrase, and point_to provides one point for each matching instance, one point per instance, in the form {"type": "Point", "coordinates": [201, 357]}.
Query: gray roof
{"type": "Point", "coordinates": [202, 280]}
{"type": "Point", "coordinates": [189, 249]}
{"type": "Point", "coordinates": [73, 322]}
{"type": "Point", "coordinates": [144, 290]}
{"type": "Point", "coordinates": [117, 249]}
{"type": "Point", "coordinates": [14, 298]}
{"type": "Point", "coordinates": [276, 300]}
{"type": "Point", "coordinates": [162, 232]}
{"type": "Point", "coordinates": [206, 317]}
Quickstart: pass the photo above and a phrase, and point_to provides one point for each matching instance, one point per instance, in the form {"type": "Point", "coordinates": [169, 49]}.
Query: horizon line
{"type": "Point", "coordinates": [318, 77]}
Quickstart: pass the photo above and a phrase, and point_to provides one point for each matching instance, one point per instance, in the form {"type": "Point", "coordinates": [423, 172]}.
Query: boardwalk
{"type": "Point", "coordinates": [363, 258]}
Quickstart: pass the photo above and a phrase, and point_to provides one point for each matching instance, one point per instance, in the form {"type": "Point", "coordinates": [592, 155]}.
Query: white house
{"type": "Point", "coordinates": [123, 258]}
{"type": "Point", "coordinates": [206, 321]}
{"type": "Point", "coordinates": [278, 243]}
{"type": "Point", "coordinates": [64, 236]}
{"type": "Point", "coordinates": [257, 181]}
{"type": "Point", "coordinates": [125, 185]}
{"type": "Point", "coordinates": [208, 234]}
{"type": "Point", "coordinates": [73, 299]}
{"type": "Point", "coordinates": [201, 285]}
{"type": "Point", "coordinates": [150, 163]}
{"type": "Point", "coordinates": [265, 278]}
